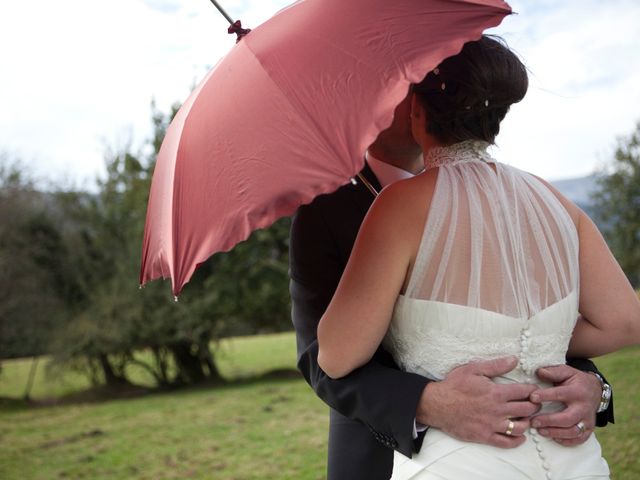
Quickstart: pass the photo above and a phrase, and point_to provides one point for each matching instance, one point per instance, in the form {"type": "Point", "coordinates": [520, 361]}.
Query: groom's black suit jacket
{"type": "Point", "coordinates": [377, 403]}
{"type": "Point", "coordinates": [372, 409]}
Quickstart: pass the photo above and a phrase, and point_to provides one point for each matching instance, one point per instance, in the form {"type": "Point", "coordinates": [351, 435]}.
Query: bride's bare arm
{"type": "Point", "coordinates": [358, 316]}
{"type": "Point", "coordinates": [609, 306]}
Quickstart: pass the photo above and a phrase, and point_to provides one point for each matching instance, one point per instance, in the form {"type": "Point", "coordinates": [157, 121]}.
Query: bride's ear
{"type": "Point", "coordinates": [418, 118]}
{"type": "Point", "coordinates": [417, 108]}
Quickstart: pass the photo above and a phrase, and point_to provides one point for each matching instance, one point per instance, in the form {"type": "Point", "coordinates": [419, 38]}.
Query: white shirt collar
{"type": "Point", "coordinates": [385, 173]}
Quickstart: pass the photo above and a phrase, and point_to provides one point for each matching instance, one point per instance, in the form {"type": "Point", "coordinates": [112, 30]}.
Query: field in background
{"type": "Point", "coordinates": [252, 429]}
{"type": "Point", "coordinates": [237, 358]}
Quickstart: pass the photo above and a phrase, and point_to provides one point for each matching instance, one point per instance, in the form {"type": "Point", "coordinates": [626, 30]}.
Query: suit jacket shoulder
{"type": "Point", "coordinates": [335, 218]}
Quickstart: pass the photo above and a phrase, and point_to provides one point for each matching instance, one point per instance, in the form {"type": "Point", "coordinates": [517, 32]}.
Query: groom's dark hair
{"type": "Point", "coordinates": [467, 95]}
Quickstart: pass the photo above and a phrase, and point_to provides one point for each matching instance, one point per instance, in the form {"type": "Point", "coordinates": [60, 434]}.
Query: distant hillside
{"type": "Point", "coordinates": [578, 190]}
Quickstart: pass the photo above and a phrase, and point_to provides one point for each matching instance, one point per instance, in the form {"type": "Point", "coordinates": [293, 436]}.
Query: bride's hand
{"type": "Point", "coordinates": [580, 391]}
{"type": "Point", "coordinates": [469, 406]}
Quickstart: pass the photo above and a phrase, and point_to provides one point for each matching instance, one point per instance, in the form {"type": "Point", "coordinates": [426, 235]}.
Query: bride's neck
{"type": "Point", "coordinates": [429, 142]}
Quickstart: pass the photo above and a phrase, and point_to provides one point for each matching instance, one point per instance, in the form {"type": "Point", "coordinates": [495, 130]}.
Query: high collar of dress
{"type": "Point", "coordinates": [467, 151]}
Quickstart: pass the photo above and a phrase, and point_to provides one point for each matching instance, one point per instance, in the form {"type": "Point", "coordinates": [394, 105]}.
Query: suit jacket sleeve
{"type": "Point", "coordinates": [588, 366]}
{"type": "Point", "coordinates": [377, 394]}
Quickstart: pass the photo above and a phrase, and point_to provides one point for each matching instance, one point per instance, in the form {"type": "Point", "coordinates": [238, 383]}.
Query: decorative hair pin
{"type": "Point", "coordinates": [486, 104]}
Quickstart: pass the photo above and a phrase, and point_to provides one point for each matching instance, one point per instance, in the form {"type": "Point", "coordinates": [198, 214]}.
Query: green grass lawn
{"type": "Point", "coordinates": [236, 359]}
{"type": "Point", "coordinates": [263, 429]}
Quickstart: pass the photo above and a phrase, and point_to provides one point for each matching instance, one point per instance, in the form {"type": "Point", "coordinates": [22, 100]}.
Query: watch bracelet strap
{"type": "Point", "coordinates": [606, 394]}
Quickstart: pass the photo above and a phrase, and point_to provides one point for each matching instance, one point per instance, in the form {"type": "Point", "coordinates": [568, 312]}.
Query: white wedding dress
{"type": "Point", "coordinates": [497, 274]}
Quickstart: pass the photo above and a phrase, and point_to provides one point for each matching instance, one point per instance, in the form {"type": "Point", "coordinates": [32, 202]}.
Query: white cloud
{"type": "Point", "coordinates": [78, 73]}
{"type": "Point", "coordinates": [584, 84]}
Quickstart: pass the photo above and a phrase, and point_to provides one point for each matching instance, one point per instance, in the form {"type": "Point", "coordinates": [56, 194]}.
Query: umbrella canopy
{"type": "Point", "coordinates": [288, 114]}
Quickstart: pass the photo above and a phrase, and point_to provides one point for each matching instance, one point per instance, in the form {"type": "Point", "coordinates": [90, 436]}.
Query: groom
{"type": "Point", "coordinates": [379, 408]}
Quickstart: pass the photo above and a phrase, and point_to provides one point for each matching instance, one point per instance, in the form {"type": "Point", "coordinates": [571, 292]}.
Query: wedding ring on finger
{"type": "Point", "coordinates": [581, 428]}
{"type": "Point", "coordinates": [510, 428]}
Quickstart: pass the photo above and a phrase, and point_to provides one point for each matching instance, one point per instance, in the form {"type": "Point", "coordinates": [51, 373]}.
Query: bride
{"type": "Point", "coordinates": [473, 260]}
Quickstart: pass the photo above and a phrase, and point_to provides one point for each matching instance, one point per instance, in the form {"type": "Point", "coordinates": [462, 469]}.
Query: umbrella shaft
{"type": "Point", "coordinates": [221, 10]}
{"type": "Point", "coordinates": [366, 183]}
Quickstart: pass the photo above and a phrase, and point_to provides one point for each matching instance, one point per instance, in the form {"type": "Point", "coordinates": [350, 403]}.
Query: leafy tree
{"type": "Point", "coordinates": [617, 205]}
{"type": "Point", "coordinates": [247, 288]}
{"type": "Point", "coordinates": [29, 247]}
{"type": "Point", "coordinates": [242, 291]}
{"type": "Point", "coordinates": [69, 264]}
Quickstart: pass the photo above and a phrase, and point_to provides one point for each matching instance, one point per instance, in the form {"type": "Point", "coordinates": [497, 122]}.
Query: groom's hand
{"type": "Point", "coordinates": [580, 391]}
{"type": "Point", "coordinates": [467, 405]}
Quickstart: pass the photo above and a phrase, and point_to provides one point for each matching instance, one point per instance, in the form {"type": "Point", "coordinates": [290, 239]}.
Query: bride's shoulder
{"type": "Point", "coordinates": [406, 201]}
{"type": "Point", "coordinates": [572, 209]}
{"type": "Point", "coordinates": [412, 191]}
{"type": "Point", "coordinates": [422, 184]}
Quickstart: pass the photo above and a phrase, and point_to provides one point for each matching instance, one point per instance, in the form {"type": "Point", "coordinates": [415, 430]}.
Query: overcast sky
{"type": "Point", "coordinates": [78, 75]}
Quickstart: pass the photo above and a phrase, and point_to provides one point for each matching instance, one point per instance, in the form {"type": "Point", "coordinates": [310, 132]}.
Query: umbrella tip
{"type": "Point", "coordinates": [236, 27]}
{"type": "Point", "coordinates": [175, 298]}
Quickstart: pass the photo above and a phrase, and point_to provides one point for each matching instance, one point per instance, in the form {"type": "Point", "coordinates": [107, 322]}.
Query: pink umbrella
{"type": "Point", "coordinates": [288, 114]}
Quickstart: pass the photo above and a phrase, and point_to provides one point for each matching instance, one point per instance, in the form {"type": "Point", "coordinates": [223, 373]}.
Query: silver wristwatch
{"type": "Point", "coordinates": [606, 394]}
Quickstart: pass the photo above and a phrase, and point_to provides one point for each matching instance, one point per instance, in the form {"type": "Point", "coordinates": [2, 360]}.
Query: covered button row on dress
{"type": "Point", "coordinates": [545, 464]}
{"type": "Point", "coordinates": [525, 336]}
{"type": "Point", "coordinates": [528, 368]}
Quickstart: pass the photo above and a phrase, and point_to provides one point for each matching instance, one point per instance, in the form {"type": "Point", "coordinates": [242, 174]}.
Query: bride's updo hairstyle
{"type": "Point", "coordinates": [467, 95]}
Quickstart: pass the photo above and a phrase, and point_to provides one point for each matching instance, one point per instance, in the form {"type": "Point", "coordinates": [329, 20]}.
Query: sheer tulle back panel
{"type": "Point", "coordinates": [496, 240]}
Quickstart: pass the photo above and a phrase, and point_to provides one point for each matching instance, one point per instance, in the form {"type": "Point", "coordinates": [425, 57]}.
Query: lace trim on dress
{"type": "Point", "coordinates": [467, 151]}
